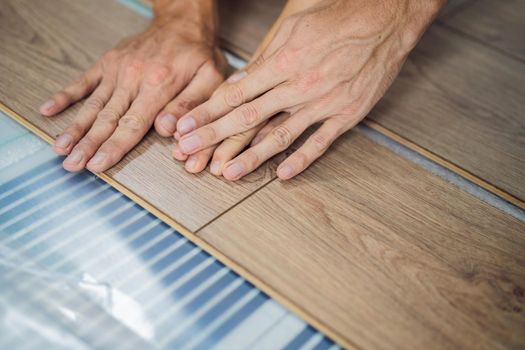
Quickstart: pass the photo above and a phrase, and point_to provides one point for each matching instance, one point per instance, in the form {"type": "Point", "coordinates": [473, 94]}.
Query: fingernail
{"type": "Point", "coordinates": [191, 163]}
{"type": "Point", "coordinates": [237, 76]}
{"type": "Point", "coordinates": [169, 122]}
{"type": "Point", "coordinates": [75, 157]}
{"type": "Point", "coordinates": [285, 171]}
{"type": "Point", "coordinates": [215, 167]}
{"type": "Point", "coordinates": [190, 144]}
{"type": "Point", "coordinates": [47, 106]}
{"type": "Point", "coordinates": [186, 125]}
{"type": "Point", "coordinates": [98, 158]}
{"type": "Point", "coordinates": [63, 141]}
{"type": "Point", "coordinates": [235, 170]}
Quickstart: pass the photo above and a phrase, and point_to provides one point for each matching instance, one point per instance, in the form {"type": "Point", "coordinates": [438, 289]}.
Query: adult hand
{"type": "Point", "coordinates": [157, 75]}
{"type": "Point", "coordinates": [328, 64]}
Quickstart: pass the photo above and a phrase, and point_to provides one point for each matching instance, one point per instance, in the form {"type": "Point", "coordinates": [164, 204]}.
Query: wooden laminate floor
{"type": "Point", "coordinates": [371, 248]}
{"type": "Point", "coordinates": [387, 254]}
{"type": "Point", "coordinates": [461, 87]}
{"type": "Point", "coordinates": [45, 47]}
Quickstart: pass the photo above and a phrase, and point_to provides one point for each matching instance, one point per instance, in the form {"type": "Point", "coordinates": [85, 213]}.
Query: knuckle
{"type": "Point", "coordinates": [249, 115]}
{"type": "Point", "coordinates": [222, 153]}
{"type": "Point", "coordinates": [285, 59]}
{"type": "Point", "coordinates": [259, 61]}
{"type": "Point", "coordinates": [109, 56]}
{"type": "Point", "coordinates": [94, 103]}
{"type": "Point", "coordinates": [133, 67]}
{"type": "Point", "coordinates": [320, 142]}
{"type": "Point", "coordinates": [159, 75]}
{"type": "Point", "coordinates": [87, 143]}
{"type": "Point", "coordinates": [282, 136]}
{"type": "Point", "coordinates": [112, 149]}
{"type": "Point", "coordinates": [308, 81]}
{"type": "Point", "coordinates": [81, 82]}
{"type": "Point", "coordinates": [182, 105]}
{"type": "Point", "coordinates": [62, 97]}
{"type": "Point", "coordinates": [75, 130]}
{"type": "Point", "coordinates": [132, 122]}
{"type": "Point", "coordinates": [234, 96]}
{"type": "Point", "coordinates": [108, 116]}
{"type": "Point", "coordinates": [301, 160]}
{"type": "Point", "coordinates": [204, 116]}
{"type": "Point", "coordinates": [238, 139]}
{"type": "Point", "coordinates": [251, 159]}
{"type": "Point", "coordinates": [213, 70]}
{"type": "Point", "coordinates": [210, 133]}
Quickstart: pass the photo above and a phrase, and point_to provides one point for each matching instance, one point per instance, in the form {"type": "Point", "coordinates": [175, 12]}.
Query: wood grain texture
{"type": "Point", "coordinates": [458, 102]}
{"type": "Point", "coordinates": [462, 101]}
{"type": "Point", "coordinates": [244, 23]}
{"type": "Point", "coordinates": [384, 253]}
{"type": "Point", "coordinates": [500, 24]}
{"type": "Point", "coordinates": [44, 45]}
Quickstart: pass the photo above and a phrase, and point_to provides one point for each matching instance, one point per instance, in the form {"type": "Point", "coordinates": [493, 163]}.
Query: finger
{"type": "Point", "coordinates": [73, 93]}
{"type": "Point", "coordinates": [279, 139]}
{"type": "Point", "coordinates": [131, 128]}
{"type": "Point", "coordinates": [102, 128]}
{"type": "Point", "coordinates": [272, 123]}
{"type": "Point", "coordinates": [198, 91]}
{"type": "Point", "coordinates": [237, 121]}
{"type": "Point", "coordinates": [198, 161]}
{"type": "Point", "coordinates": [84, 119]}
{"type": "Point", "coordinates": [313, 148]}
{"type": "Point", "coordinates": [177, 154]}
{"type": "Point", "coordinates": [230, 148]}
{"type": "Point", "coordinates": [240, 88]}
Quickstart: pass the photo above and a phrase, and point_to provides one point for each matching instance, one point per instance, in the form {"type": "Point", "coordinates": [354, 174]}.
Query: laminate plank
{"type": "Point", "coordinates": [243, 24]}
{"type": "Point", "coordinates": [452, 6]}
{"type": "Point", "coordinates": [500, 24]}
{"type": "Point", "coordinates": [384, 253]}
{"type": "Point", "coordinates": [45, 45]}
{"type": "Point", "coordinates": [456, 101]}
{"type": "Point", "coordinates": [463, 102]}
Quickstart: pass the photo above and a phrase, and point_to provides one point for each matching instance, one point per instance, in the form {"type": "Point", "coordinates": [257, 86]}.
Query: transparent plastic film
{"type": "Point", "coordinates": [49, 309]}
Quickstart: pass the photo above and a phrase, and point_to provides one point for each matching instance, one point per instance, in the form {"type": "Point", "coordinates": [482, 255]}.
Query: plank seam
{"type": "Point", "coordinates": [193, 237]}
{"type": "Point", "coordinates": [446, 164]}
{"type": "Point", "coordinates": [470, 37]}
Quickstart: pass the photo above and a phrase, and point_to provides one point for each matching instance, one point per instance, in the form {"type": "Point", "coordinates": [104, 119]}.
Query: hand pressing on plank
{"type": "Point", "coordinates": [233, 145]}
{"type": "Point", "coordinates": [327, 64]}
{"type": "Point", "coordinates": [157, 75]}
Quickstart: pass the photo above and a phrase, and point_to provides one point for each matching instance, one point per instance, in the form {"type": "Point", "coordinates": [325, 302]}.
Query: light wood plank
{"type": "Point", "coordinates": [384, 253]}
{"type": "Point", "coordinates": [456, 102]}
{"type": "Point", "coordinates": [462, 101]}
{"type": "Point", "coordinates": [500, 24]}
{"type": "Point", "coordinates": [46, 44]}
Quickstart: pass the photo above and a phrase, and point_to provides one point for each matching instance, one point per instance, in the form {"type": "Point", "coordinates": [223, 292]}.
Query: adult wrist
{"type": "Point", "coordinates": [201, 14]}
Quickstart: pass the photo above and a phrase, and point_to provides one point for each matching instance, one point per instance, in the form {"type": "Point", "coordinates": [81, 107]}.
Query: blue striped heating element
{"type": "Point", "coordinates": [84, 267]}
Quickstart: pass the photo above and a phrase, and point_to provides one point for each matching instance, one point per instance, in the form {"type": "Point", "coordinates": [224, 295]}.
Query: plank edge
{"type": "Point", "coordinates": [446, 164]}
{"type": "Point", "coordinates": [194, 238]}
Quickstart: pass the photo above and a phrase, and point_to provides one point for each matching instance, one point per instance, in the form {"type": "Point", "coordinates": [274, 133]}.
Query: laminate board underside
{"type": "Point", "coordinates": [388, 255]}
{"type": "Point", "coordinates": [46, 45]}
